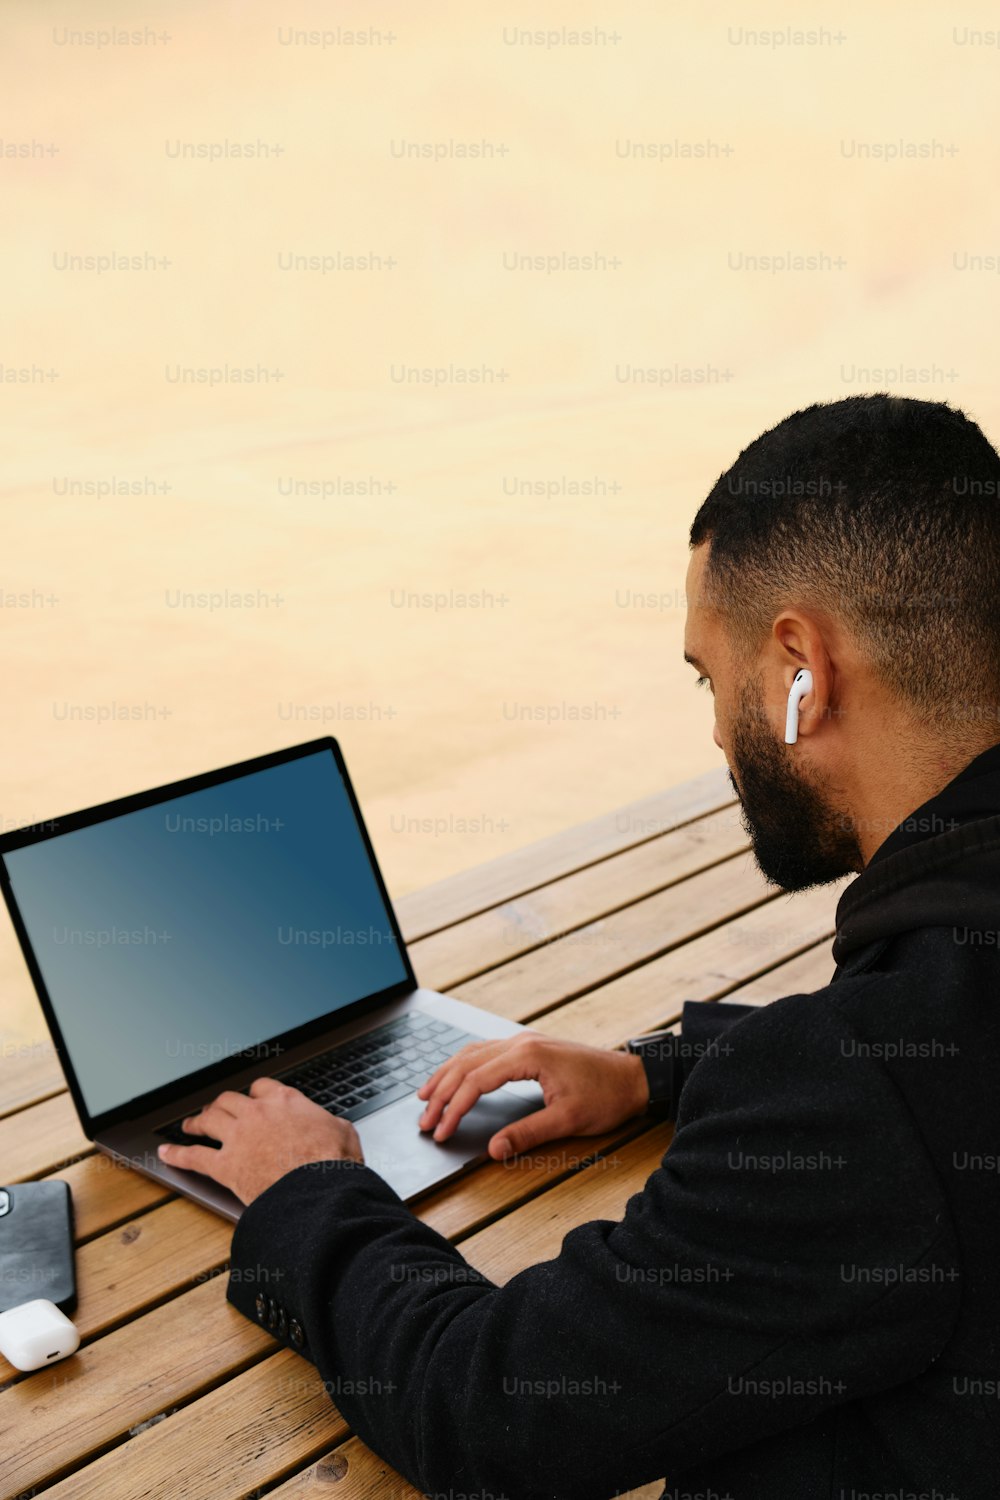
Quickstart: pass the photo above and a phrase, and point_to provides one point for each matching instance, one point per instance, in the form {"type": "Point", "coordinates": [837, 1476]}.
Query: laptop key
{"type": "Point", "coordinates": [369, 1106]}
{"type": "Point", "coordinates": [450, 1037]}
{"type": "Point", "coordinates": [179, 1137]}
{"type": "Point", "coordinates": [372, 1069]}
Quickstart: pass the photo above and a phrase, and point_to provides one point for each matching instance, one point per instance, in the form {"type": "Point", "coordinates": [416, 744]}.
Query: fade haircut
{"type": "Point", "coordinates": [883, 512]}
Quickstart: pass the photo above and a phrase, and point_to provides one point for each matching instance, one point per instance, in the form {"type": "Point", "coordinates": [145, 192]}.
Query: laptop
{"type": "Point", "coordinates": [233, 925]}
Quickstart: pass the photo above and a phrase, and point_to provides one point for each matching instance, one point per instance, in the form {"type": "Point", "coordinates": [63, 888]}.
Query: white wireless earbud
{"type": "Point", "coordinates": [801, 684]}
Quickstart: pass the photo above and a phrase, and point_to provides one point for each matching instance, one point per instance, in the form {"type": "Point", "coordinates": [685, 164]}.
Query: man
{"type": "Point", "coordinates": [848, 1343]}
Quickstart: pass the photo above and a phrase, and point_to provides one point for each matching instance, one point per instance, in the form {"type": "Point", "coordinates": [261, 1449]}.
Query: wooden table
{"type": "Point", "coordinates": [595, 934]}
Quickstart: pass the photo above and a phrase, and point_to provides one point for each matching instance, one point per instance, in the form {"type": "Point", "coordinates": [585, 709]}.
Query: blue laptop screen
{"type": "Point", "coordinates": [178, 934]}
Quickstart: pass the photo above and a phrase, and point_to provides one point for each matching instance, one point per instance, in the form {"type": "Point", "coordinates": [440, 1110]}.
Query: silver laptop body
{"type": "Point", "coordinates": [73, 883]}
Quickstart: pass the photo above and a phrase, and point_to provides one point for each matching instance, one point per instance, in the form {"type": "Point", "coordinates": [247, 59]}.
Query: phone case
{"type": "Point", "coordinates": [36, 1245]}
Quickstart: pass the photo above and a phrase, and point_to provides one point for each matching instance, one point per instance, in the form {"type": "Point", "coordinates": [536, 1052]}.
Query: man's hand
{"type": "Point", "coordinates": [587, 1090]}
{"type": "Point", "coordinates": [263, 1135]}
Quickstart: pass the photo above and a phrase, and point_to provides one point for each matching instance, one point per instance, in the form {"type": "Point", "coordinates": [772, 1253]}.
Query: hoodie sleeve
{"type": "Point", "coordinates": [669, 1056]}
{"type": "Point", "coordinates": [745, 1291]}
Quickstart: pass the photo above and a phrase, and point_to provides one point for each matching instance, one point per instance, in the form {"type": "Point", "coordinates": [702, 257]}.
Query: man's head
{"type": "Point", "coordinates": [861, 539]}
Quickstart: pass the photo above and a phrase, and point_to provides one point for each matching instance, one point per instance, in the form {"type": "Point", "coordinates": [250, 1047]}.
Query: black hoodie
{"type": "Point", "coordinates": [802, 1302]}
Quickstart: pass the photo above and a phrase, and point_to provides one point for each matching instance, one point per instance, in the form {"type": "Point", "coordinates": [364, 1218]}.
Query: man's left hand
{"type": "Point", "coordinates": [264, 1134]}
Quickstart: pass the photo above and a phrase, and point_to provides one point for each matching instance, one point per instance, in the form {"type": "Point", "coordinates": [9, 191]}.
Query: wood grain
{"type": "Point", "coordinates": [106, 1193]}
{"type": "Point", "coordinates": [708, 968]}
{"type": "Point", "coordinates": [246, 1433]}
{"type": "Point", "coordinates": [39, 1139]}
{"type": "Point", "coordinates": [590, 956]}
{"type": "Point", "coordinates": [31, 1071]}
{"type": "Point", "coordinates": [511, 874]}
{"type": "Point", "coordinates": [531, 921]}
{"type": "Point", "coordinates": [54, 1419]}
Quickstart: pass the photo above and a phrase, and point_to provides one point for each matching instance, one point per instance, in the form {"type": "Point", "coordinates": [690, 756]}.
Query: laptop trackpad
{"type": "Point", "coordinates": [410, 1159]}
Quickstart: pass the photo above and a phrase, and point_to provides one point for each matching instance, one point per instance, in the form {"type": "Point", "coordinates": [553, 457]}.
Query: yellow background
{"type": "Point", "coordinates": [468, 731]}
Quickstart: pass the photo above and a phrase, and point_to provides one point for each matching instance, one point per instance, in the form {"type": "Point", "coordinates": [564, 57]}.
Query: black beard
{"type": "Point", "coordinates": [798, 838]}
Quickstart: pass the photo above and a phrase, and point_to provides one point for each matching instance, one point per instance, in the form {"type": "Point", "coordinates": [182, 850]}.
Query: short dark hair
{"type": "Point", "coordinates": [883, 511]}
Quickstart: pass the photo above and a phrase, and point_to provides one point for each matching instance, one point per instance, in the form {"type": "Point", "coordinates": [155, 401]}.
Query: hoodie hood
{"type": "Point", "coordinates": [939, 868]}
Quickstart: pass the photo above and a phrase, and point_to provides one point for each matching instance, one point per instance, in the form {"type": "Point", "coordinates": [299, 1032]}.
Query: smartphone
{"type": "Point", "coordinates": [36, 1245]}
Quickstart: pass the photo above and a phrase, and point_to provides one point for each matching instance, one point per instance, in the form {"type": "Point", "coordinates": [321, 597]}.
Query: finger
{"type": "Point", "coordinates": [265, 1086]}
{"type": "Point", "coordinates": [549, 1124]}
{"type": "Point", "coordinates": [211, 1121]}
{"type": "Point", "coordinates": [204, 1159]}
{"type": "Point", "coordinates": [233, 1103]}
{"type": "Point", "coordinates": [228, 1103]}
{"type": "Point", "coordinates": [442, 1084]}
{"type": "Point", "coordinates": [456, 1060]}
{"type": "Point", "coordinates": [493, 1073]}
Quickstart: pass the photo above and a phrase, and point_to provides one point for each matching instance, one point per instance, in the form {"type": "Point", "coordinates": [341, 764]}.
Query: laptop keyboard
{"type": "Point", "coordinates": [364, 1074]}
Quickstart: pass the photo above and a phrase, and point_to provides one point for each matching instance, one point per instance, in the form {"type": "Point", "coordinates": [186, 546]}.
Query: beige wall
{"type": "Point", "coordinates": [436, 706]}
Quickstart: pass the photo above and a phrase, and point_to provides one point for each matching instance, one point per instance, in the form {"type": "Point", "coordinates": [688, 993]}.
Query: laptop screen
{"type": "Point", "coordinates": [175, 935]}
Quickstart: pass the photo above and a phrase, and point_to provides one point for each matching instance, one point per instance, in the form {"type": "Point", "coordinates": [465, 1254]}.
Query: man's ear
{"type": "Point", "coordinates": [801, 688]}
{"type": "Point", "coordinates": [802, 646]}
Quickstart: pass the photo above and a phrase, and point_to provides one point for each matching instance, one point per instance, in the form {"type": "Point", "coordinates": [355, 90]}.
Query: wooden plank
{"type": "Point", "coordinates": [599, 951]}
{"type": "Point", "coordinates": [240, 1436]}
{"type": "Point", "coordinates": [41, 1138]}
{"type": "Point", "coordinates": [106, 1193]}
{"type": "Point", "coordinates": [802, 975]}
{"type": "Point", "coordinates": [512, 874]}
{"type": "Point", "coordinates": [517, 927]}
{"type": "Point", "coordinates": [810, 971]}
{"type": "Point", "coordinates": [51, 1420]}
{"type": "Point", "coordinates": [31, 1071]}
{"type": "Point", "coordinates": [359, 1475]}
{"type": "Point", "coordinates": [709, 968]}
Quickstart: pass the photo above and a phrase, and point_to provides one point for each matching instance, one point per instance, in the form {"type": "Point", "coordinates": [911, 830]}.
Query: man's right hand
{"type": "Point", "coordinates": [587, 1090]}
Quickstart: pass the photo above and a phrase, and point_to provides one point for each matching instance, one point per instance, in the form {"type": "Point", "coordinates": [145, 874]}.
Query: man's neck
{"type": "Point", "coordinates": [891, 792]}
